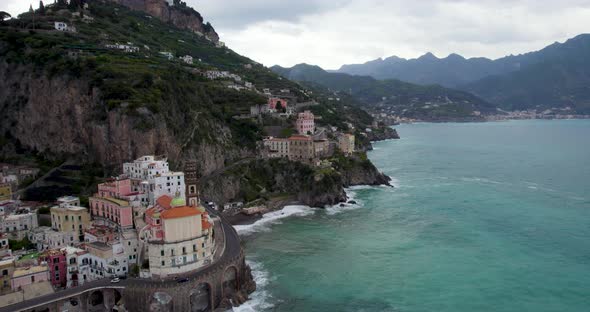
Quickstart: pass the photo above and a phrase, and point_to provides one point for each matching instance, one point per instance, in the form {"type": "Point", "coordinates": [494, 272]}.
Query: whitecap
{"type": "Point", "coordinates": [274, 217]}
{"type": "Point", "coordinates": [261, 298]}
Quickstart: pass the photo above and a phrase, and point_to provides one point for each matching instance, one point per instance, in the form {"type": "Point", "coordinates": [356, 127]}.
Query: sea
{"type": "Point", "coordinates": [482, 217]}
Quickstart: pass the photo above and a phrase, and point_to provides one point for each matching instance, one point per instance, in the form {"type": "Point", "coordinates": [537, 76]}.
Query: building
{"type": "Point", "coordinates": [7, 267]}
{"type": "Point", "coordinates": [301, 148]}
{"type": "Point", "coordinates": [56, 262]}
{"type": "Point", "coordinates": [305, 123]}
{"type": "Point", "coordinates": [110, 203]}
{"type": "Point", "coordinates": [274, 103]}
{"type": "Point", "coordinates": [29, 275]}
{"type": "Point", "coordinates": [61, 26]}
{"type": "Point", "coordinates": [5, 251]}
{"type": "Point", "coordinates": [346, 143]}
{"type": "Point", "coordinates": [18, 224]}
{"type": "Point", "coordinates": [106, 260]}
{"type": "Point", "coordinates": [151, 175]}
{"type": "Point", "coordinates": [5, 191]}
{"type": "Point", "coordinates": [257, 110]}
{"type": "Point", "coordinates": [187, 59]}
{"type": "Point", "coordinates": [180, 237]}
{"type": "Point", "coordinates": [69, 218]}
{"type": "Point", "coordinates": [45, 238]}
{"type": "Point", "coordinates": [167, 55]}
{"type": "Point", "coordinates": [78, 266]}
{"type": "Point", "coordinates": [276, 147]}
{"type": "Point", "coordinates": [322, 148]}
{"type": "Point", "coordinates": [127, 48]}
{"type": "Point", "coordinates": [192, 184]}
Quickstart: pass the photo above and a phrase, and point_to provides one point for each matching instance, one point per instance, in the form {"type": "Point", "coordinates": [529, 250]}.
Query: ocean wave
{"type": "Point", "coordinates": [261, 299]}
{"type": "Point", "coordinates": [274, 217]}
{"type": "Point", "coordinates": [481, 180]}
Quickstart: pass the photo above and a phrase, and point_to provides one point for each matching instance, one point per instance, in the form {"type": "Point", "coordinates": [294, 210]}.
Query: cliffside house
{"type": "Point", "coordinates": [305, 123]}
{"type": "Point", "coordinates": [346, 143]}
{"type": "Point", "coordinates": [187, 59]}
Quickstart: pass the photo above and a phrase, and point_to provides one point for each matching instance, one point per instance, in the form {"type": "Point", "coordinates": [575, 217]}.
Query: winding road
{"type": "Point", "coordinates": [231, 250]}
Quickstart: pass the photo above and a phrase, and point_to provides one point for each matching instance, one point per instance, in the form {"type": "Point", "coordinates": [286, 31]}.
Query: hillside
{"type": "Point", "coordinates": [556, 76]}
{"type": "Point", "coordinates": [116, 84]}
{"type": "Point", "coordinates": [395, 97]}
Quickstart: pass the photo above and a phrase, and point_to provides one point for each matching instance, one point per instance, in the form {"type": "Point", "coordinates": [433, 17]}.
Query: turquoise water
{"type": "Point", "coordinates": [486, 217]}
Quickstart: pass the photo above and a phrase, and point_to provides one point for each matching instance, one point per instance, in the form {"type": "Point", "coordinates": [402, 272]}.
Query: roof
{"type": "Point", "coordinates": [298, 137]}
{"type": "Point", "coordinates": [119, 202]}
{"type": "Point", "coordinates": [178, 202]}
{"type": "Point", "coordinates": [180, 212]}
{"type": "Point", "coordinates": [29, 270]}
{"type": "Point", "coordinates": [205, 224]}
{"type": "Point", "coordinates": [164, 201]}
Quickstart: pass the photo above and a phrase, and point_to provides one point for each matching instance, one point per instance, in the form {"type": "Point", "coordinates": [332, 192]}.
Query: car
{"type": "Point", "coordinates": [182, 280]}
{"type": "Point", "coordinates": [115, 280]}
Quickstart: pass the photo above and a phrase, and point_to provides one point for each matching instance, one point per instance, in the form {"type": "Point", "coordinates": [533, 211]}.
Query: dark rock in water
{"type": "Point", "coordinates": [352, 202]}
{"type": "Point", "coordinates": [342, 205]}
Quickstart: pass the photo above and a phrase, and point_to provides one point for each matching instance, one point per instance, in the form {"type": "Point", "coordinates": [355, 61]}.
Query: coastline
{"type": "Point", "coordinates": [242, 219]}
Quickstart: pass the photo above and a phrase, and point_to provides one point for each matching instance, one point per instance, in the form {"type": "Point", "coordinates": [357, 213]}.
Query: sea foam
{"type": "Point", "coordinates": [268, 219]}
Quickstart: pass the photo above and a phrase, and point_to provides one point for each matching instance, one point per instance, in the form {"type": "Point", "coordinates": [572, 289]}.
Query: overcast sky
{"type": "Point", "coordinates": [330, 33]}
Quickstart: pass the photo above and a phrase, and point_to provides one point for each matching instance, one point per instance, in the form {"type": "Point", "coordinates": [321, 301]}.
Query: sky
{"type": "Point", "coordinates": [330, 33]}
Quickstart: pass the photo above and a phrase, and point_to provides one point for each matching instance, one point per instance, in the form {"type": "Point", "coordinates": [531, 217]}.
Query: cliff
{"type": "Point", "coordinates": [315, 187]}
{"type": "Point", "coordinates": [177, 14]}
{"type": "Point", "coordinates": [65, 117]}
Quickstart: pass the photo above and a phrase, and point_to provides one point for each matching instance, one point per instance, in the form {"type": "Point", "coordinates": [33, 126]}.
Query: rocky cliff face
{"type": "Point", "coordinates": [64, 117]}
{"type": "Point", "coordinates": [180, 16]}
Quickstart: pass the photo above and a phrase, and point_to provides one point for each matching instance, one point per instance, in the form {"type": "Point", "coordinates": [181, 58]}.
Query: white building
{"type": "Point", "coordinates": [184, 241]}
{"type": "Point", "coordinates": [127, 48]}
{"type": "Point", "coordinates": [45, 238]}
{"type": "Point", "coordinates": [17, 225]}
{"type": "Point", "coordinates": [106, 260]}
{"type": "Point", "coordinates": [276, 147]}
{"type": "Point", "coordinates": [78, 266]}
{"type": "Point", "coordinates": [61, 26]}
{"type": "Point", "coordinates": [167, 55]}
{"type": "Point", "coordinates": [154, 178]}
{"type": "Point", "coordinates": [187, 59]}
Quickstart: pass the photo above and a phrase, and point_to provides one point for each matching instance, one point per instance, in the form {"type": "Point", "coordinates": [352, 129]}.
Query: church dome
{"type": "Point", "coordinates": [178, 202]}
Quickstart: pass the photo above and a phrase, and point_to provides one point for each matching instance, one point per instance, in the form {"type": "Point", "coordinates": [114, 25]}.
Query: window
{"type": "Point", "coordinates": [4, 272]}
{"type": "Point", "coordinates": [79, 218]}
{"type": "Point", "coordinates": [33, 279]}
{"type": "Point", "coordinates": [163, 263]}
{"type": "Point", "coordinates": [194, 247]}
{"type": "Point", "coordinates": [162, 252]}
{"type": "Point", "coordinates": [183, 250]}
{"type": "Point", "coordinates": [172, 252]}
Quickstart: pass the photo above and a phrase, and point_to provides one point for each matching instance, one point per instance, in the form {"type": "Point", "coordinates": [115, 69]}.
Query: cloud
{"type": "Point", "coordinates": [336, 32]}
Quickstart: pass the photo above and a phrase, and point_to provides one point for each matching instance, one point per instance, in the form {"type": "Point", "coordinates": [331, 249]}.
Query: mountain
{"type": "Point", "coordinates": [396, 97]}
{"type": "Point", "coordinates": [556, 76]}
{"type": "Point", "coordinates": [177, 14]}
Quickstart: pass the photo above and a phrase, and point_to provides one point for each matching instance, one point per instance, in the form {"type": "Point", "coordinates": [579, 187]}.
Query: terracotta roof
{"type": "Point", "coordinates": [164, 201]}
{"type": "Point", "coordinates": [180, 212]}
{"type": "Point", "coordinates": [205, 224]}
{"type": "Point", "coordinates": [300, 138]}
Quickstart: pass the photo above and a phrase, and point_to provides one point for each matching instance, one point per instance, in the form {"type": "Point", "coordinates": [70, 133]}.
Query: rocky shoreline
{"type": "Point", "coordinates": [362, 173]}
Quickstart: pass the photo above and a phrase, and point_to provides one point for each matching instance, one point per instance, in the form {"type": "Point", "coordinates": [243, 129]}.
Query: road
{"type": "Point", "coordinates": [232, 249]}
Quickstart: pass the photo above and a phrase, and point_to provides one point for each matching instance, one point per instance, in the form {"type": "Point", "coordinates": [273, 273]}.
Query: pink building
{"type": "Point", "coordinates": [29, 275]}
{"type": "Point", "coordinates": [273, 102]}
{"type": "Point", "coordinates": [56, 261]}
{"type": "Point", "coordinates": [305, 123]}
{"type": "Point", "coordinates": [110, 203]}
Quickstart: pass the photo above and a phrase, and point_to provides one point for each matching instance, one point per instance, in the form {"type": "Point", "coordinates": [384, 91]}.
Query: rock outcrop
{"type": "Point", "coordinates": [60, 116]}
{"type": "Point", "coordinates": [178, 15]}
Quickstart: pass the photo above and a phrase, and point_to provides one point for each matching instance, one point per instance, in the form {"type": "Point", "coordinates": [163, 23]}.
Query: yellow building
{"type": "Point", "coordinates": [6, 271]}
{"type": "Point", "coordinates": [67, 218]}
{"type": "Point", "coordinates": [346, 143]}
{"type": "Point", "coordinates": [5, 191]}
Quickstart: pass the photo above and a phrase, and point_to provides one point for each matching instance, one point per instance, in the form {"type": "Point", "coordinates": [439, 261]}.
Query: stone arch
{"type": "Point", "coordinates": [201, 298]}
{"type": "Point", "coordinates": [229, 281]}
{"type": "Point", "coordinates": [96, 298]}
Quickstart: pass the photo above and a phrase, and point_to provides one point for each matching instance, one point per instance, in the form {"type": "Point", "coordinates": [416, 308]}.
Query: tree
{"type": "Point", "coordinates": [41, 7]}
{"type": "Point", "coordinates": [4, 15]}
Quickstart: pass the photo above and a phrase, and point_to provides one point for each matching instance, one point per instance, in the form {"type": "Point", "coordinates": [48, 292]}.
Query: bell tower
{"type": "Point", "coordinates": [192, 184]}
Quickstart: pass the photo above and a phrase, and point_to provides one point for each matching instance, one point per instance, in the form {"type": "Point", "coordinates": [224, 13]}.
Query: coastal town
{"type": "Point", "coordinates": [147, 222]}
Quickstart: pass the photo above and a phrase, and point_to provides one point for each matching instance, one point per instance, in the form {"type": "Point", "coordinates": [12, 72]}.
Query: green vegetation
{"type": "Point", "coordinates": [25, 243]}
{"type": "Point", "coordinates": [397, 97]}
